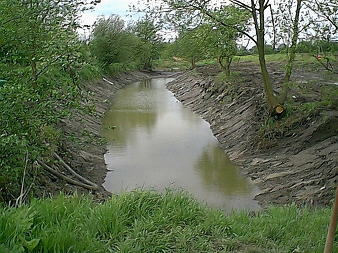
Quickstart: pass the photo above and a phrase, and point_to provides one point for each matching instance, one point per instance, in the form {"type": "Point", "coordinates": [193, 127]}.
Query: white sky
{"type": "Point", "coordinates": [121, 8]}
{"type": "Point", "coordinates": [106, 8]}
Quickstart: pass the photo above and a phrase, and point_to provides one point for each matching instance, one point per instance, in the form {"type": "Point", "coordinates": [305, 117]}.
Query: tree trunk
{"type": "Point", "coordinates": [193, 62]}
{"type": "Point", "coordinates": [85, 180]}
{"type": "Point", "coordinates": [270, 96]}
{"type": "Point", "coordinates": [274, 30]}
{"type": "Point", "coordinates": [272, 100]}
{"type": "Point", "coordinates": [291, 54]}
{"type": "Point", "coordinates": [67, 179]}
{"type": "Point", "coordinates": [292, 49]}
{"type": "Point", "coordinates": [147, 64]}
{"type": "Point", "coordinates": [225, 67]}
{"type": "Point", "coordinates": [332, 227]}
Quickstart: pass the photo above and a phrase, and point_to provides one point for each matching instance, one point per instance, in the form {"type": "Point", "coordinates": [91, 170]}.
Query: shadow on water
{"type": "Point", "coordinates": [154, 142]}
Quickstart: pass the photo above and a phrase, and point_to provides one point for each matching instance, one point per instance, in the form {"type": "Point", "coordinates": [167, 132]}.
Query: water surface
{"type": "Point", "coordinates": [157, 143]}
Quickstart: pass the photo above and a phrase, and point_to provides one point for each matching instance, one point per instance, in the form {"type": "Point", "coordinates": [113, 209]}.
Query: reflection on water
{"type": "Point", "coordinates": [211, 166]}
{"type": "Point", "coordinates": [157, 143]}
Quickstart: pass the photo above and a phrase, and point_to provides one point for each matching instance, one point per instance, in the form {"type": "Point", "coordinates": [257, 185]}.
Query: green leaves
{"type": "Point", "coordinates": [119, 48]}
{"type": "Point", "coordinates": [40, 59]}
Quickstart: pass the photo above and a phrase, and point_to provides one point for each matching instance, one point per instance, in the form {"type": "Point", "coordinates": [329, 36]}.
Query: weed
{"type": "Point", "coordinates": [147, 221]}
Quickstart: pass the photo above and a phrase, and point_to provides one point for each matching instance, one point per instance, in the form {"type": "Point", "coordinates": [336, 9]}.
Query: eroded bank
{"type": "Point", "coordinates": [301, 168]}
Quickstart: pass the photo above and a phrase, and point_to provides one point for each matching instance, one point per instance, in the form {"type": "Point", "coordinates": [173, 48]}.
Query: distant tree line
{"type": "Point", "coordinates": [118, 46]}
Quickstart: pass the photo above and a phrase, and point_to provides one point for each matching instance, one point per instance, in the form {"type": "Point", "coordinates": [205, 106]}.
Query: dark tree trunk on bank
{"type": "Point", "coordinates": [225, 66]}
{"type": "Point", "coordinates": [291, 53]}
{"type": "Point", "coordinates": [274, 106]}
{"type": "Point", "coordinates": [147, 65]}
{"type": "Point", "coordinates": [193, 62]}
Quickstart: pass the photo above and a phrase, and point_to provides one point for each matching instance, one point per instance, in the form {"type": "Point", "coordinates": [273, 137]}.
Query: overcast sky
{"type": "Point", "coordinates": [106, 8]}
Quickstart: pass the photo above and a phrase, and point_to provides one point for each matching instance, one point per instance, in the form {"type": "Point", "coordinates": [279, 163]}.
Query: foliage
{"type": "Point", "coordinates": [317, 46]}
{"type": "Point", "coordinates": [220, 40]}
{"type": "Point", "coordinates": [110, 43]}
{"type": "Point", "coordinates": [118, 48]}
{"type": "Point", "coordinates": [143, 221]}
{"type": "Point", "coordinates": [323, 19]}
{"type": "Point", "coordinates": [189, 46]}
{"type": "Point", "coordinates": [149, 46]}
{"type": "Point", "coordinates": [41, 59]}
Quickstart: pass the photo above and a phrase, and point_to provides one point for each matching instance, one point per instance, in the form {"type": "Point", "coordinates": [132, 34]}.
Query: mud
{"type": "Point", "coordinates": [299, 167]}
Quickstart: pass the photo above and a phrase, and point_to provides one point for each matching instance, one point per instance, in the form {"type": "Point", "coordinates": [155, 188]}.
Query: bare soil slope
{"type": "Point", "coordinates": [295, 160]}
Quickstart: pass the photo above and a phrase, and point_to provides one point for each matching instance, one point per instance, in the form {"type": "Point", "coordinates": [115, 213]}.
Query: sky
{"type": "Point", "coordinates": [119, 7]}
{"type": "Point", "coordinates": [106, 8]}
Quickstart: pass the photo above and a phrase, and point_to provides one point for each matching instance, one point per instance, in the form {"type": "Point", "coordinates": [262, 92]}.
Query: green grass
{"type": "Point", "coordinates": [172, 65]}
{"type": "Point", "coordinates": [302, 60]}
{"type": "Point", "coordinates": [181, 65]}
{"type": "Point", "coordinates": [304, 57]}
{"type": "Point", "coordinates": [144, 221]}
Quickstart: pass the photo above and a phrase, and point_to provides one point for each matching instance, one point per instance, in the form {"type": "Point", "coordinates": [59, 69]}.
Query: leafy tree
{"type": "Point", "coordinates": [40, 59]}
{"type": "Point", "coordinates": [257, 10]}
{"type": "Point", "coordinates": [220, 40]}
{"type": "Point", "coordinates": [189, 46]}
{"type": "Point", "coordinates": [148, 47]}
{"type": "Point", "coordinates": [325, 18]}
{"type": "Point", "coordinates": [111, 42]}
{"type": "Point", "coordinates": [116, 45]}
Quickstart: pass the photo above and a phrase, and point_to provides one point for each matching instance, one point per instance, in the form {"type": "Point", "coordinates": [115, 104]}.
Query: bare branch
{"type": "Point", "coordinates": [67, 179]}
{"type": "Point", "coordinates": [74, 173]}
{"type": "Point", "coordinates": [240, 4]}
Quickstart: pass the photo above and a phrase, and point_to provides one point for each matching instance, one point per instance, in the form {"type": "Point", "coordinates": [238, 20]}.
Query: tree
{"type": "Point", "coordinates": [325, 10]}
{"type": "Point", "coordinates": [116, 45]}
{"type": "Point", "coordinates": [220, 40]}
{"type": "Point", "coordinates": [148, 47]}
{"type": "Point", "coordinates": [257, 9]}
{"type": "Point", "coordinates": [110, 42]}
{"type": "Point", "coordinates": [323, 28]}
{"type": "Point", "coordinates": [40, 59]}
{"type": "Point", "coordinates": [189, 46]}
{"type": "Point", "coordinates": [28, 25]}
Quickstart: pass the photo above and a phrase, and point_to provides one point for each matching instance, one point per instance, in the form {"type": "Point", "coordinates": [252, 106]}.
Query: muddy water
{"type": "Point", "coordinates": [157, 143]}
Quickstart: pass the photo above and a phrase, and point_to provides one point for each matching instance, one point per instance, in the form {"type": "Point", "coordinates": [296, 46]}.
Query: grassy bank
{"type": "Point", "coordinates": [152, 222]}
{"type": "Point", "coordinates": [303, 60]}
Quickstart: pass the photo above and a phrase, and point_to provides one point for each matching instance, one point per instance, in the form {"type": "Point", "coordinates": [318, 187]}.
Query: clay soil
{"type": "Point", "coordinates": [296, 160]}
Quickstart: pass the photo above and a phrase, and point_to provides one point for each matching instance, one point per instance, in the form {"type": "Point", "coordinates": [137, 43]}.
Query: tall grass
{"type": "Point", "coordinates": [144, 221]}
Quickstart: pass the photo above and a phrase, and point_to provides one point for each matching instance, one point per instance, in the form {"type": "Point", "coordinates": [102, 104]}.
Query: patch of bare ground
{"type": "Point", "coordinates": [293, 159]}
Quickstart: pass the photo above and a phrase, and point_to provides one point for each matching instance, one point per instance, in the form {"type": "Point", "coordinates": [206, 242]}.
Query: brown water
{"type": "Point", "coordinates": [157, 143]}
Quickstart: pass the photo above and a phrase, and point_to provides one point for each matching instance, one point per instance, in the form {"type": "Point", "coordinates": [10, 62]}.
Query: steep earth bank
{"type": "Point", "coordinates": [299, 167]}
{"type": "Point", "coordinates": [83, 148]}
